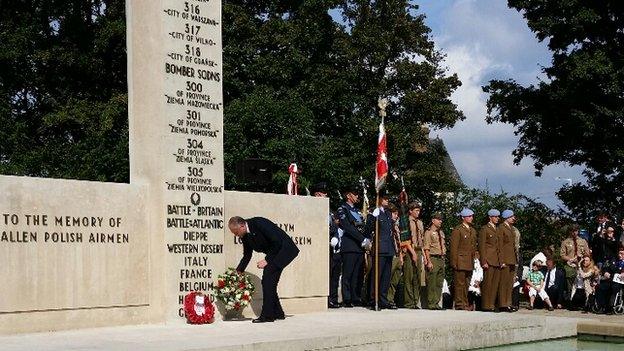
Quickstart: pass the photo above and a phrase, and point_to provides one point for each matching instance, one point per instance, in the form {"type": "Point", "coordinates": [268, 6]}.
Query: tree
{"type": "Point", "coordinates": [63, 90]}
{"type": "Point", "coordinates": [575, 115]}
{"type": "Point", "coordinates": [323, 77]}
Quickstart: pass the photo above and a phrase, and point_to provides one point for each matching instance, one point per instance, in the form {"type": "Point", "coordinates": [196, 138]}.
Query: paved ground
{"type": "Point", "coordinates": [346, 329]}
{"type": "Point", "coordinates": [576, 314]}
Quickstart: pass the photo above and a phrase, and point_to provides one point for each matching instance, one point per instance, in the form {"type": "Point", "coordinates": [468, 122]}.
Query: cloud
{"type": "Point", "coordinates": [486, 40]}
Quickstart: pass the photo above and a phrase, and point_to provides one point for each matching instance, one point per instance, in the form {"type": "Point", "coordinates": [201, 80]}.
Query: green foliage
{"type": "Point", "coordinates": [63, 93]}
{"type": "Point", "coordinates": [291, 62]}
{"type": "Point", "coordinates": [576, 115]}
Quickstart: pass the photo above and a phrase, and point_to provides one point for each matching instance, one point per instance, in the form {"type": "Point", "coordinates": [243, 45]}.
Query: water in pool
{"type": "Point", "coordinates": [571, 344]}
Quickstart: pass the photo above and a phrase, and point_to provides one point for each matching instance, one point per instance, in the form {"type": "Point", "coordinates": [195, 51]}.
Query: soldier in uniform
{"type": "Point", "coordinates": [572, 251]}
{"type": "Point", "coordinates": [508, 261]}
{"type": "Point", "coordinates": [489, 258]}
{"type": "Point", "coordinates": [381, 219]}
{"type": "Point", "coordinates": [463, 250]}
{"type": "Point", "coordinates": [352, 247]}
{"type": "Point", "coordinates": [413, 267]}
{"type": "Point", "coordinates": [335, 260]}
{"type": "Point", "coordinates": [435, 252]}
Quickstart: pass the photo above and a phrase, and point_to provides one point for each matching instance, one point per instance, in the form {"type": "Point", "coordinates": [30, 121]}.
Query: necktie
{"type": "Point", "coordinates": [548, 279]}
{"type": "Point", "coordinates": [440, 240]}
{"type": "Point", "coordinates": [575, 248]}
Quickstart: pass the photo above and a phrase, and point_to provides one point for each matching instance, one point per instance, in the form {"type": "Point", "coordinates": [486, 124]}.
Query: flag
{"type": "Point", "coordinates": [381, 169]}
{"type": "Point", "coordinates": [292, 186]}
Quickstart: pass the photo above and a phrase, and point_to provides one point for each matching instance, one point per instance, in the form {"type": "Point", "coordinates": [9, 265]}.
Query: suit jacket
{"type": "Point", "coordinates": [463, 247]}
{"type": "Point", "coordinates": [386, 224]}
{"type": "Point", "coordinates": [507, 242]}
{"type": "Point", "coordinates": [558, 287]}
{"type": "Point", "coordinates": [488, 246]}
{"type": "Point", "coordinates": [265, 236]}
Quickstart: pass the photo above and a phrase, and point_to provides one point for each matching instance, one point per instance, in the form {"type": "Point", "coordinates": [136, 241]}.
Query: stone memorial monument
{"type": "Point", "coordinates": [78, 254]}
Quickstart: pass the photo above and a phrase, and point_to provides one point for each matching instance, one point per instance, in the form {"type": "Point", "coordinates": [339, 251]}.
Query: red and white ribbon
{"type": "Point", "coordinates": [293, 187]}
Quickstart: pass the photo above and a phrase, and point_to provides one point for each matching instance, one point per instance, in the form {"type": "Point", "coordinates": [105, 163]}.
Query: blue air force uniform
{"type": "Point", "coordinates": [352, 225]}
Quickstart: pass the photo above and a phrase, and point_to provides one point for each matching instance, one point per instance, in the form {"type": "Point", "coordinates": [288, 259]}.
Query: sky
{"type": "Point", "coordinates": [484, 40]}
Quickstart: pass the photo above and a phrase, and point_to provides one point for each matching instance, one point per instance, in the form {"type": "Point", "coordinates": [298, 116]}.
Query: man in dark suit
{"type": "Point", "coordinates": [554, 283]}
{"type": "Point", "coordinates": [261, 235]}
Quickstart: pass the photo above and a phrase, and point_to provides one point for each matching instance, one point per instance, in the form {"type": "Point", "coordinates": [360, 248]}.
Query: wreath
{"type": "Point", "coordinates": [233, 289]}
{"type": "Point", "coordinates": [198, 308]}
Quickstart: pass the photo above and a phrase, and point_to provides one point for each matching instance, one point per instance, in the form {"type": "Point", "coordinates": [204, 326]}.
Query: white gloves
{"type": "Point", "coordinates": [366, 244]}
{"type": "Point", "coordinates": [333, 242]}
{"type": "Point", "coordinates": [376, 212]}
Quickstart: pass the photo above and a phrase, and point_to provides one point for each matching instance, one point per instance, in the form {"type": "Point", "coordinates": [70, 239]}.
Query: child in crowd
{"type": "Point", "coordinates": [535, 281]}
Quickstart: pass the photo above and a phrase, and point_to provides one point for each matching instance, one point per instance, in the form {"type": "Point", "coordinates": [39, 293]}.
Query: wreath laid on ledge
{"type": "Point", "coordinates": [233, 289]}
{"type": "Point", "coordinates": [198, 308]}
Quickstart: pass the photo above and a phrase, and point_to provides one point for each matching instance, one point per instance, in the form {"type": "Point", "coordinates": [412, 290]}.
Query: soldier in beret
{"type": "Point", "coordinates": [463, 251]}
{"type": "Point", "coordinates": [489, 258]}
{"type": "Point", "coordinates": [508, 261]}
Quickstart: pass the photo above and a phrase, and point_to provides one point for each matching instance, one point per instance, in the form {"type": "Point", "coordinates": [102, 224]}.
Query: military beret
{"type": "Point", "coordinates": [466, 212]}
{"type": "Point", "coordinates": [507, 214]}
{"type": "Point", "coordinates": [437, 215]}
{"type": "Point", "coordinates": [493, 213]}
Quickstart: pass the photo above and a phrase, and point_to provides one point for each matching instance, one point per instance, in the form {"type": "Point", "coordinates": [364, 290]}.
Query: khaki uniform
{"type": "Point", "coordinates": [413, 272]}
{"type": "Point", "coordinates": [463, 249]}
{"type": "Point", "coordinates": [433, 242]}
{"type": "Point", "coordinates": [508, 260]}
{"type": "Point", "coordinates": [569, 251]}
{"type": "Point", "coordinates": [489, 254]}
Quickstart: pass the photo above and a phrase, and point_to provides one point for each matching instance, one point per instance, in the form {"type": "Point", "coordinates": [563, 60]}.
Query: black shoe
{"type": "Point", "coordinates": [486, 310]}
{"type": "Point", "coordinates": [262, 320]}
{"type": "Point", "coordinates": [347, 305]}
{"type": "Point", "coordinates": [333, 305]}
{"type": "Point", "coordinates": [281, 316]}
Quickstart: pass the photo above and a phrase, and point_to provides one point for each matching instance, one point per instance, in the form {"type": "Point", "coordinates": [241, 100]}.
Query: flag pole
{"type": "Point", "coordinates": [377, 257]}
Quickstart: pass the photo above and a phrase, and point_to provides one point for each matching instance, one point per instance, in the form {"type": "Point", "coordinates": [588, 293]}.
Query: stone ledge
{"type": "Point", "coordinates": [343, 329]}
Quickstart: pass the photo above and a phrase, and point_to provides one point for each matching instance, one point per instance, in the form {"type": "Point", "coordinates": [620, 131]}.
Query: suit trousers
{"type": "Point", "coordinates": [505, 286]}
{"type": "Point", "coordinates": [461, 281]}
{"type": "Point", "coordinates": [271, 307]}
{"type": "Point", "coordinates": [385, 269]}
{"type": "Point", "coordinates": [335, 267]}
{"type": "Point", "coordinates": [351, 269]}
{"type": "Point", "coordinates": [489, 287]}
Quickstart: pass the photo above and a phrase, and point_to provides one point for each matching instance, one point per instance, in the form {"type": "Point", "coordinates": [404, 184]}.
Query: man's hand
{"type": "Point", "coordinates": [486, 266]}
{"type": "Point", "coordinates": [262, 264]}
{"type": "Point", "coordinates": [607, 275]}
{"type": "Point", "coordinates": [429, 266]}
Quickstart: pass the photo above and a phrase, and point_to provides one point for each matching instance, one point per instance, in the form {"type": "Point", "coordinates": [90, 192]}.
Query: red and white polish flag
{"type": "Point", "coordinates": [381, 169]}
